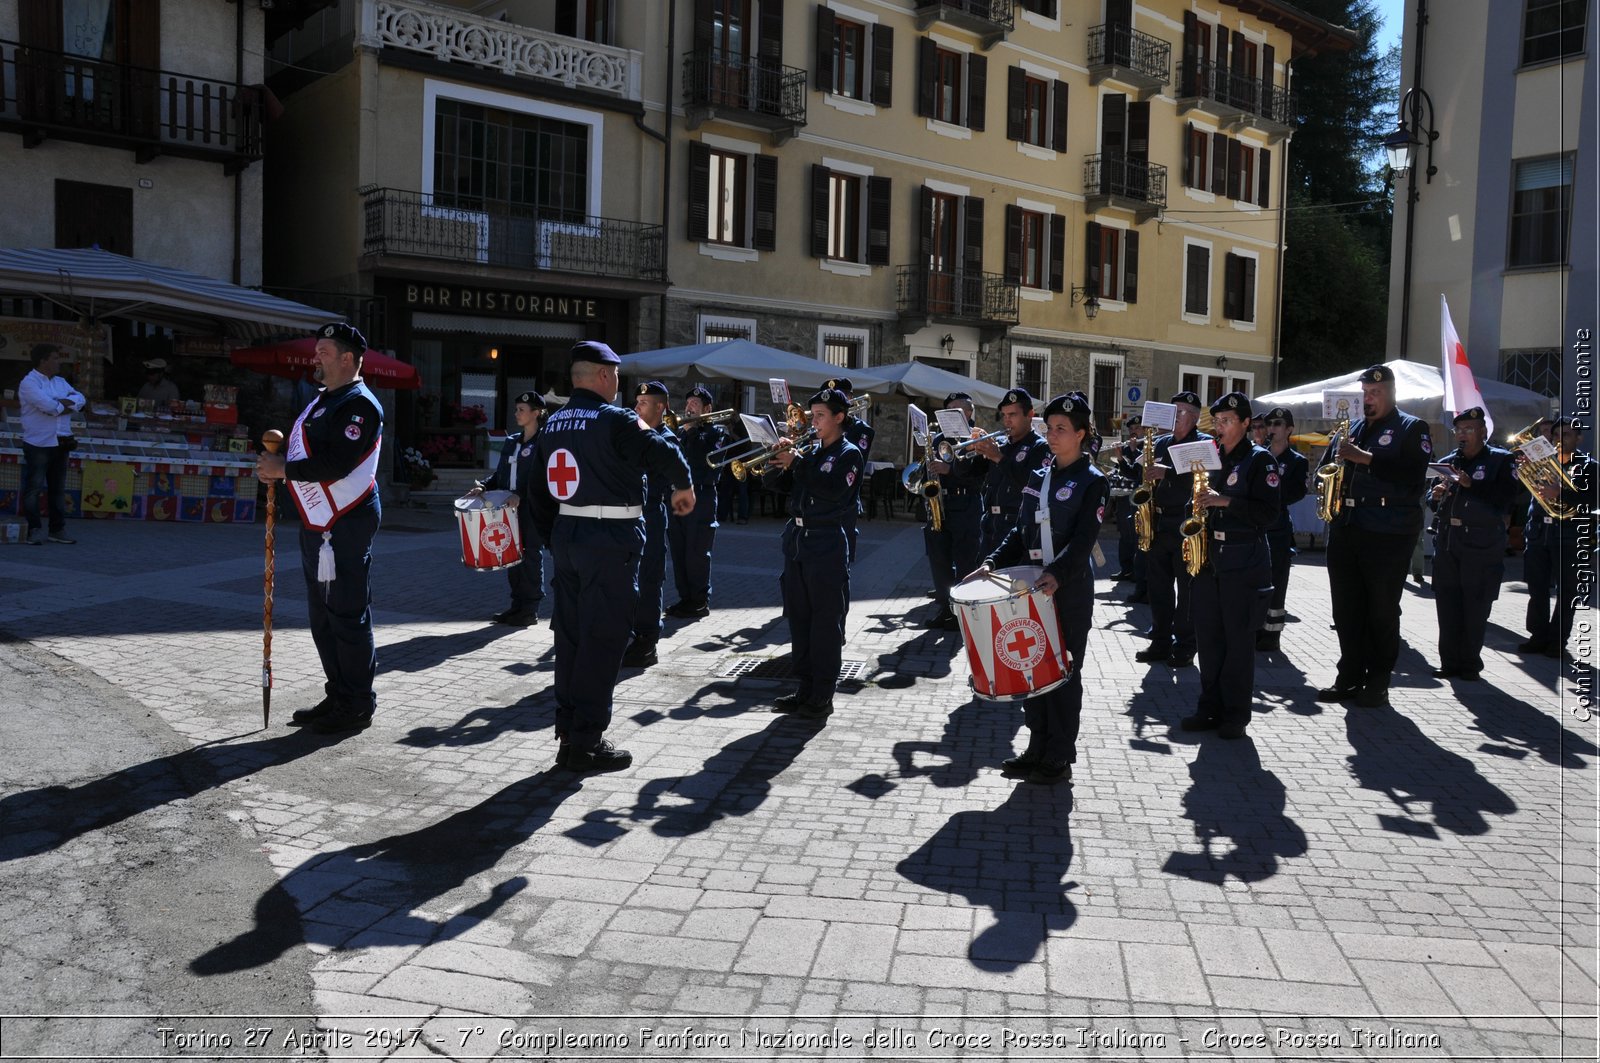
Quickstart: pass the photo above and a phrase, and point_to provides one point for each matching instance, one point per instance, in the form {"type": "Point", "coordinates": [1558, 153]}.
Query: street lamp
{"type": "Point", "coordinates": [1091, 305]}
{"type": "Point", "coordinates": [1402, 144]}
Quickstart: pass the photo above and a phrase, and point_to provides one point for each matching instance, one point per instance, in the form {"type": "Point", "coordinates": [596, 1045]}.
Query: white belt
{"type": "Point", "coordinates": [603, 512]}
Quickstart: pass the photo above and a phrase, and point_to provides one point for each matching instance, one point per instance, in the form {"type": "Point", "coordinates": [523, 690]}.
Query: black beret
{"type": "Point", "coordinates": [652, 387]}
{"type": "Point", "coordinates": [1016, 397]}
{"type": "Point", "coordinates": [1067, 405]}
{"type": "Point", "coordinates": [594, 351]}
{"type": "Point", "coordinates": [1560, 421]}
{"type": "Point", "coordinates": [1133, 418]}
{"type": "Point", "coordinates": [346, 335]}
{"type": "Point", "coordinates": [1281, 412]}
{"type": "Point", "coordinates": [701, 392]}
{"type": "Point", "coordinates": [1474, 414]}
{"type": "Point", "coordinates": [957, 396]}
{"type": "Point", "coordinates": [832, 398]}
{"type": "Point", "coordinates": [839, 384]}
{"type": "Point", "coordinates": [1377, 374]}
{"type": "Point", "coordinates": [532, 399]}
{"type": "Point", "coordinates": [1188, 398]}
{"type": "Point", "coordinates": [1233, 402]}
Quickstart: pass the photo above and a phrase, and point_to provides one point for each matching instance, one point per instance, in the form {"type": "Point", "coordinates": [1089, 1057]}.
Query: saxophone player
{"type": "Point", "coordinates": [1370, 540]}
{"type": "Point", "coordinates": [1294, 471]}
{"type": "Point", "coordinates": [953, 548]}
{"type": "Point", "coordinates": [1231, 593]}
{"type": "Point", "coordinates": [1171, 625]}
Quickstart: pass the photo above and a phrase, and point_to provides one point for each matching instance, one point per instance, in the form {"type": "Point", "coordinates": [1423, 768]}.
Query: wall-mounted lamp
{"type": "Point", "coordinates": [494, 353]}
{"type": "Point", "coordinates": [1409, 134]}
{"type": "Point", "coordinates": [1222, 362]}
{"type": "Point", "coordinates": [948, 342]}
{"type": "Point", "coordinates": [1091, 305]}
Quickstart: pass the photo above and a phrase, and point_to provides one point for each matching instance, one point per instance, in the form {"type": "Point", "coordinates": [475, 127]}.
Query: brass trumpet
{"type": "Point", "coordinates": [684, 422]}
{"type": "Point", "coordinates": [1535, 474]}
{"type": "Point", "coordinates": [799, 417]}
{"type": "Point", "coordinates": [947, 451]}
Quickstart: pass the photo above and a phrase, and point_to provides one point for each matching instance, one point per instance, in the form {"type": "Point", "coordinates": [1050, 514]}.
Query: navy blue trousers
{"type": "Point", "coordinates": [691, 539]}
{"type": "Point", "coordinates": [1366, 575]}
{"type": "Point", "coordinates": [341, 612]}
{"type": "Point", "coordinates": [1054, 717]}
{"type": "Point", "coordinates": [652, 574]}
{"type": "Point", "coordinates": [1281, 544]}
{"type": "Point", "coordinates": [596, 585]}
{"type": "Point", "coordinates": [1466, 581]}
{"type": "Point", "coordinates": [1171, 618]}
{"type": "Point", "coordinates": [953, 549]}
{"type": "Point", "coordinates": [816, 593]}
{"type": "Point", "coordinates": [1538, 571]}
{"type": "Point", "coordinates": [527, 579]}
{"type": "Point", "coordinates": [1230, 599]}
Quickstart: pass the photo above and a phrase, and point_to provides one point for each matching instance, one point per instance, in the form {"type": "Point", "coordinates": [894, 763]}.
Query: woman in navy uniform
{"type": "Point", "coordinates": [520, 466]}
{"type": "Point", "coordinates": [953, 549]}
{"type": "Point", "coordinates": [1073, 494]}
{"type": "Point", "coordinates": [1369, 543]}
{"type": "Point", "coordinates": [822, 484]}
{"type": "Point", "coordinates": [1570, 539]}
{"type": "Point", "coordinates": [1231, 593]}
{"type": "Point", "coordinates": [1015, 460]}
{"type": "Point", "coordinates": [590, 507]}
{"type": "Point", "coordinates": [693, 534]}
{"type": "Point", "coordinates": [650, 403]}
{"type": "Point", "coordinates": [1469, 557]}
{"type": "Point", "coordinates": [1294, 473]}
{"type": "Point", "coordinates": [1168, 583]}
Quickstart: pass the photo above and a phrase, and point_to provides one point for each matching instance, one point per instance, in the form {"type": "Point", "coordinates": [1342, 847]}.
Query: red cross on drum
{"type": "Point", "coordinates": [491, 537]}
{"type": "Point", "coordinates": [1013, 641]}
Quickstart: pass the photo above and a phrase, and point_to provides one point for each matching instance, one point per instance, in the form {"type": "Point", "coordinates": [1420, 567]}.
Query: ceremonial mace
{"type": "Point", "coordinates": [271, 440]}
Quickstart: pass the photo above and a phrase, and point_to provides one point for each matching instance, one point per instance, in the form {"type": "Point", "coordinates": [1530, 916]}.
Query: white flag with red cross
{"type": "Point", "coordinates": [1460, 386]}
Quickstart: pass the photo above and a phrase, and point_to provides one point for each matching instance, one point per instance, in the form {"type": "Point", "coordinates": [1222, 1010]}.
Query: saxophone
{"type": "Point", "coordinates": [1144, 497]}
{"type": "Point", "coordinates": [1196, 527]}
{"type": "Point", "coordinates": [1330, 474]}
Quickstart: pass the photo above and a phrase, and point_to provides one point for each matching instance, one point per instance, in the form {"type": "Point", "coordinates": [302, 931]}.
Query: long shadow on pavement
{"type": "Point", "coordinates": [1394, 757]}
{"type": "Point", "coordinates": [1519, 727]}
{"type": "Point", "coordinates": [1232, 796]}
{"type": "Point", "coordinates": [976, 735]}
{"type": "Point", "coordinates": [536, 712]}
{"type": "Point", "coordinates": [393, 877]}
{"type": "Point", "coordinates": [422, 652]}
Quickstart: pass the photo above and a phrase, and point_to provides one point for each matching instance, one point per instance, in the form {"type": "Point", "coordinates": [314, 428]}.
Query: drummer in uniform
{"type": "Point", "coordinates": [519, 465]}
{"type": "Point", "coordinates": [1057, 526]}
{"type": "Point", "coordinates": [1294, 477]}
{"type": "Point", "coordinates": [1015, 460]}
{"type": "Point", "coordinates": [1231, 592]}
{"type": "Point", "coordinates": [860, 434]}
{"type": "Point", "coordinates": [1171, 623]}
{"type": "Point", "coordinates": [822, 480]}
{"type": "Point", "coordinates": [953, 549]}
{"type": "Point", "coordinates": [590, 508]}
{"type": "Point", "coordinates": [650, 403]}
{"type": "Point", "coordinates": [692, 535]}
{"type": "Point", "coordinates": [331, 467]}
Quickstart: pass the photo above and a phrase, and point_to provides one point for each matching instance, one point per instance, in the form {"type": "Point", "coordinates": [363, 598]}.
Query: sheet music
{"type": "Point", "coordinates": [1352, 405]}
{"type": "Point", "coordinates": [1162, 415]}
{"type": "Point", "coordinates": [953, 423]}
{"type": "Point", "coordinates": [760, 428]}
{"type": "Point", "coordinates": [780, 390]}
{"type": "Point", "coordinates": [1204, 451]}
{"type": "Point", "coordinates": [919, 424]}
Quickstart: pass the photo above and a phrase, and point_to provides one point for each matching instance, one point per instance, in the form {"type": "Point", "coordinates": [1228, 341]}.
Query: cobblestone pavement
{"type": "Point", "coordinates": [1416, 881]}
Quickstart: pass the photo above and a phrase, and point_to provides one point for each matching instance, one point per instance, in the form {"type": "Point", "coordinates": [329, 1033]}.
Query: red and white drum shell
{"type": "Point", "coordinates": [491, 536]}
{"type": "Point", "coordinates": [1013, 640]}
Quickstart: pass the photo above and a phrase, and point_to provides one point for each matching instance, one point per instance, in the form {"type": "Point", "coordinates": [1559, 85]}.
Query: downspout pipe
{"type": "Point", "coordinates": [666, 170]}
{"type": "Point", "coordinates": [238, 177]}
{"type": "Point", "coordinates": [1412, 194]}
{"type": "Point", "coordinates": [1283, 236]}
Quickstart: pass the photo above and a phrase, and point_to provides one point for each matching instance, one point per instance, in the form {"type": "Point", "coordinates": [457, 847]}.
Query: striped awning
{"type": "Point", "coordinates": [100, 285]}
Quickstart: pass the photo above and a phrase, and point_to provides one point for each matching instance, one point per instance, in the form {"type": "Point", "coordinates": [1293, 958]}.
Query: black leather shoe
{"type": "Point", "coordinates": [1198, 722]}
{"type": "Point", "coordinates": [689, 610]}
{"type": "Point", "coordinates": [1337, 693]}
{"type": "Point", "coordinates": [1532, 646]}
{"type": "Point", "coordinates": [1021, 764]}
{"type": "Point", "coordinates": [639, 655]}
{"type": "Point", "coordinates": [815, 710]}
{"type": "Point", "coordinates": [789, 703]}
{"type": "Point", "coordinates": [342, 720]}
{"type": "Point", "coordinates": [301, 717]}
{"type": "Point", "coordinates": [1372, 699]}
{"type": "Point", "coordinates": [1445, 673]}
{"type": "Point", "coordinates": [1470, 677]}
{"type": "Point", "coordinates": [1121, 576]}
{"type": "Point", "coordinates": [1046, 774]}
{"type": "Point", "coordinates": [1138, 598]}
{"type": "Point", "coordinates": [1180, 660]}
{"type": "Point", "coordinates": [942, 620]}
{"type": "Point", "coordinates": [517, 618]}
{"type": "Point", "coordinates": [1266, 641]}
{"type": "Point", "coordinates": [603, 757]}
{"type": "Point", "coordinates": [1231, 732]}
{"type": "Point", "coordinates": [1152, 654]}
{"type": "Point", "coordinates": [1147, 633]}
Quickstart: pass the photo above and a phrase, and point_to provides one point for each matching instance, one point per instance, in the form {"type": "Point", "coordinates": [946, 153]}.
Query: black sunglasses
{"type": "Point", "coordinates": [1276, 422]}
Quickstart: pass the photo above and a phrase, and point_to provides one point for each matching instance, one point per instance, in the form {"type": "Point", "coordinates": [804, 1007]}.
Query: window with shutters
{"type": "Point", "coordinates": [1036, 111]}
{"type": "Point", "coordinates": [1043, 8]}
{"type": "Point", "coordinates": [1031, 369]}
{"type": "Point", "coordinates": [849, 58]}
{"type": "Point", "coordinates": [1553, 29]}
{"type": "Point", "coordinates": [855, 59]}
{"type": "Point", "coordinates": [725, 199]}
{"type": "Point", "coordinates": [1112, 263]}
{"type": "Point", "coordinates": [1197, 158]}
{"type": "Point", "coordinates": [1541, 209]}
{"type": "Point", "coordinates": [1239, 287]}
{"type": "Point", "coordinates": [1035, 245]}
{"type": "Point", "coordinates": [1197, 280]}
{"type": "Point", "coordinates": [952, 87]}
{"type": "Point", "coordinates": [1244, 188]}
{"type": "Point", "coordinates": [844, 217]}
{"type": "Point", "coordinates": [947, 86]}
{"type": "Point", "coordinates": [90, 215]}
{"type": "Point", "coordinates": [850, 210]}
{"type": "Point", "coordinates": [1032, 249]}
{"type": "Point", "coordinates": [732, 198]}
{"type": "Point", "coordinates": [590, 20]}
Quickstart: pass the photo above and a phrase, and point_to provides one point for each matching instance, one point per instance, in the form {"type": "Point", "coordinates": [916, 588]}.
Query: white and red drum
{"type": "Point", "coordinates": [1013, 640]}
{"type": "Point", "coordinates": [491, 537]}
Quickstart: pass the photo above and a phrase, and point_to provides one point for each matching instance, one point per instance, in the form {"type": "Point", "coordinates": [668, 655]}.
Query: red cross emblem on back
{"type": "Point", "coordinates": [561, 472]}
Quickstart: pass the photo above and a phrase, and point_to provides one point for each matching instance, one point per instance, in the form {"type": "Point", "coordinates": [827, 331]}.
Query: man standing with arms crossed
{"type": "Point", "coordinates": [48, 403]}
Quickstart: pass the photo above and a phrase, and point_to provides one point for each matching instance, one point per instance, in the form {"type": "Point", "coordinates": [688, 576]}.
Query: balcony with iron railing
{"type": "Point", "coordinates": [744, 90]}
{"type": "Point", "coordinates": [46, 94]}
{"type": "Point", "coordinates": [1121, 53]}
{"type": "Point", "coordinates": [925, 294]}
{"type": "Point", "coordinates": [1124, 183]}
{"type": "Point", "coordinates": [1235, 100]}
{"type": "Point", "coordinates": [509, 236]}
{"type": "Point", "coordinates": [990, 20]}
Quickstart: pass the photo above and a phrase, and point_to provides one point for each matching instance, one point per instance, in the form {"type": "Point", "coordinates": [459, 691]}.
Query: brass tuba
{"type": "Point", "coordinates": [1330, 474]}
{"type": "Point", "coordinates": [1196, 527]}
{"type": "Point", "coordinates": [1535, 473]}
{"type": "Point", "coordinates": [1144, 497]}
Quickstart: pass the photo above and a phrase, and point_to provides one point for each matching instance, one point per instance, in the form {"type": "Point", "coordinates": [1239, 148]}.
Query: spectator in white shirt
{"type": "Point", "coordinates": [48, 403]}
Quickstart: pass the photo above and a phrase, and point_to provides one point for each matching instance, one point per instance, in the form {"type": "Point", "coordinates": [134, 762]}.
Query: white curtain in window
{"type": "Point", "coordinates": [86, 28]}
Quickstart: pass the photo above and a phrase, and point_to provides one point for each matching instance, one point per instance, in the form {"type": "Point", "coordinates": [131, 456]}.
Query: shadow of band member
{"type": "Point", "coordinates": [1394, 757]}
{"type": "Point", "coordinates": [1232, 796]}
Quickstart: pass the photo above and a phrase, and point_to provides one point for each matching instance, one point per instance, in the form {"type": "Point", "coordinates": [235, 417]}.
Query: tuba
{"type": "Point", "coordinates": [1197, 526]}
{"type": "Point", "coordinates": [1144, 497]}
{"type": "Point", "coordinates": [1535, 473]}
{"type": "Point", "coordinates": [1330, 474]}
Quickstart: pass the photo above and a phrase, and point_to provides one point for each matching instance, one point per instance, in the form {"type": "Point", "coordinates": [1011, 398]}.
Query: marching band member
{"type": "Point", "coordinates": [519, 466]}
{"type": "Point", "coordinates": [589, 506]}
{"type": "Point", "coordinates": [1369, 543]}
{"type": "Point", "coordinates": [1015, 460]}
{"type": "Point", "coordinates": [1171, 624]}
{"type": "Point", "coordinates": [650, 403]}
{"type": "Point", "coordinates": [1537, 562]}
{"type": "Point", "coordinates": [953, 549]}
{"type": "Point", "coordinates": [1130, 562]}
{"type": "Point", "coordinates": [860, 434]}
{"type": "Point", "coordinates": [1469, 557]}
{"type": "Point", "coordinates": [1570, 539]}
{"type": "Point", "coordinates": [823, 482]}
{"type": "Point", "coordinates": [1294, 475]}
{"type": "Point", "coordinates": [331, 467]}
{"type": "Point", "coordinates": [1231, 592]}
{"type": "Point", "coordinates": [692, 534]}
{"type": "Point", "coordinates": [1057, 526]}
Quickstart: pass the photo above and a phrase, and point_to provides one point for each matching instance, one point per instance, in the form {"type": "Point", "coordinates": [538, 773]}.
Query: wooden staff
{"type": "Point", "coordinates": [271, 441]}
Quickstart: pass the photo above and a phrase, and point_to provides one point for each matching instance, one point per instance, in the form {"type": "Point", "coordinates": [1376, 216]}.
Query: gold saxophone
{"type": "Point", "coordinates": [1545, 472]}
{"type": "Point", "coordinates": [1144, 497]}
{"type": "Point", "coordinates": [1330, 474]}
{"type": "Point", "coordinates": [1196, 526]}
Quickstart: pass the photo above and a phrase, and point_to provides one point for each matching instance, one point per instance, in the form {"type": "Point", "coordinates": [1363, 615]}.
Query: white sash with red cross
{"type": "Point", "coordinates": [322, 503]}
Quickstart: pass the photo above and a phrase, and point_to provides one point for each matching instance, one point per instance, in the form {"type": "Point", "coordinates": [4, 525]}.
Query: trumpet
{"type": "Point", "coordinates": [743, 467]}
{"type": "Point", "coordinates": [798, 416]}
{"type": "Point", "coordinates": [1542, 472]}
{"type": "Point", "coordinates": [917, 480]}
{"type": "Point", "coordinates": [947, 451]}
{"type": "Point", "coordinates": [1195, 528]}
{"type": "Point", "coordinates": [684, 422]}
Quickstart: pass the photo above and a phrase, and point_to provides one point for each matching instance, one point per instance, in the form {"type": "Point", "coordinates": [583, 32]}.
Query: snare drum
{"type": "Point", "coordinates": [491, 537]}
{"type": "Point", "coordinates": [1013, 639]}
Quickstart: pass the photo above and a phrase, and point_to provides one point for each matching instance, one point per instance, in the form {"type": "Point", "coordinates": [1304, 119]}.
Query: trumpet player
{"type": "Point", "coordinates": [1370, 539]}
{"type": "Point", "coordinates": [1294, 474]}
{"type": "Point", "coordinates": [650, 403]}
{"type": "Point", "coordinates": [1014, 460]}
{"type": "Point", "coordinates": [1471, 502]}
{"type": "Point", "coordinates": [823, 480]}
{"type": "Point", "coordinates": [1232, 590]}
{"type": "Point", "coordinates": [692, 535]}
{"type": "Point", "coordinates": [1168, 580]}
{"type": "Point", "coordinates": [1570, 539]}
{"type": "Point", "coordinates": [953, 547]}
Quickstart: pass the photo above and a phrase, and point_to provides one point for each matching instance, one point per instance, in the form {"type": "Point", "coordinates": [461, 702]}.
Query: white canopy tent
{"type": "Point", "coordinates": [1419, 391]}
{"type": "Point", "coordinates": [931, 384]}
{"type": "Point", "coordinates": [753, 363]}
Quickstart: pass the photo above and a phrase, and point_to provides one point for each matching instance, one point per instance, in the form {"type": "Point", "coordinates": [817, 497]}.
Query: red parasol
{"type": "Point", "coordinates": [296, 358]}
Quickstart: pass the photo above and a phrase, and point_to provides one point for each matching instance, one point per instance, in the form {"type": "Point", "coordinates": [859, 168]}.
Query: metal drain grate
{"type": "Point", "coordinates": [783, 668]}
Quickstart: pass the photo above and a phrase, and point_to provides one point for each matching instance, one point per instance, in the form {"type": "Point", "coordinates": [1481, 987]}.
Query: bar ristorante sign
{"type": "Point", "coordinates": [465, 299]}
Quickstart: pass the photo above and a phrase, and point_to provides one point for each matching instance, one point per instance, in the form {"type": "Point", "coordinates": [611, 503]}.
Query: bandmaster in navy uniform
{"type": "Point", "coordinates": [650, 403]}
{"type": "Point", "coordinates": [1469, 557]}
{"type": "Point", "coordinates": [1294, 474]}
{"type": "Point", "coordinates": [1015, 460]}
{"type": "Point", "coordinates": [519, 466]}
{"type": "Point", "coordinates": [1570, 540]}
{"type": "Point", "coordinates": [1231, 593]}
{"type": "Point", "coordinates": [860, 434]}
{"type": "Point", "coordinates": [953, 549]}
{"type": "Point", "coordinates": [823, 480]}
{"type": "Point", "coordinates": [1370, 541]}
{"type": "Point", "coordinates": [1057, 526]}
{"type": "Point", "coordinates": [693, 534]}
{"type": "Point", "coordinates": [331, 468]}
{"type": "Point", "coordinates": [593, 506]}
{"type": "Point", "coordinates": [1168, 583]}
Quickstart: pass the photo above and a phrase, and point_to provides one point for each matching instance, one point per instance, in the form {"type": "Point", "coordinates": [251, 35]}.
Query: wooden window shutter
{"type": "Point", "coordinates": [699, 214]}
{"type": "Point", "coordinates": [1013, 263]}
{"type": "Point", "coordinates": [1247, 289]}
{"type": "Point", "coordinates": [1219, 164]}
{"type": "Point", "coordinates": [972, 248]}
{"type": "Point", "coordinates": [880, 208]}
{"type": "Point", "coordinates": [819, 210]}
{"type": "Point", "coordinates": [1016, 100]}
{"type": "Point", "coordinates": [1113, 126]}
{"type": "Point", "coordinates": [1188, 74]}
{"type": "Point", "coordinates": [925, 232]}
{"type": "Point", "coordinates": [1130, 266]}
{"type": "Point", "coordinates": [1220, 61]}
{"type": "Point", "coordinates": [882, 65]}
{"type": "Point", "coordinates": [1139, 131]}
{"type": "Point", "coordinates": [1187, 155]}
{"type": "Point", "coordinates": [825, 44]}
{"type": "Point", "coordinates": [144, 54]}
{"type": "Point", "coordinates": [1091, 256]}
{"type": "Point", "coordinates": [770, 34]}
{"type": "Point", "coordinates": [1058, 252]}
{"type": "Point", "coordinates": [1058, 136]}
{"type": "Point", "coordinates": [765, 235]}
{"type": "Point", "coordinates": [1235, 167]}
{"type": "Point", "coordinates": [705, 33]}
{"type": "Point", "coordinates": [567, 17]}
{"type": "Point", "coordinates": [1230, 286]}
{"type": "Point", "coordinates": [1264, 179]}
{"type": "Point", "coordinates": [927, 77]}
{"type": "Point", "coordinates": [1269, 59]}
{"type": "Point", "coordinates": [977, 91]}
